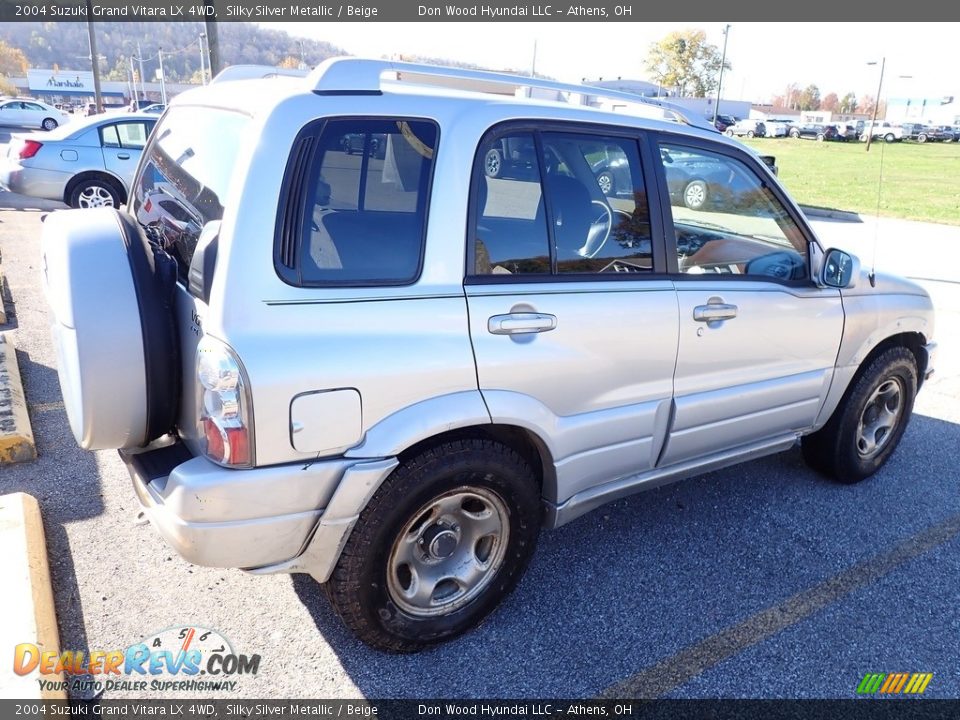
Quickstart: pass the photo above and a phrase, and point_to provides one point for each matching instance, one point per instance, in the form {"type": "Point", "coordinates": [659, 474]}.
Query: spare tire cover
{"type": "Point", "coordinates": [111, 298]}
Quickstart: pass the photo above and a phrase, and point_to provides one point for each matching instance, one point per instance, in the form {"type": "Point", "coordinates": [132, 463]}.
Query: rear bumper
{"type": "Point", "coordinates": [249, 519]}
{"type": "Point", "coordinates": [34, 182]}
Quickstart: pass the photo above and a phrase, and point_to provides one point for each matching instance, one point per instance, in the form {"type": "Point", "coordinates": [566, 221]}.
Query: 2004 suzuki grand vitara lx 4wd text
{"type": "Point", "coordinates": [389, 368]}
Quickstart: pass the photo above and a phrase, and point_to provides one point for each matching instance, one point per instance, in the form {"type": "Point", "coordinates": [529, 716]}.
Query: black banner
{"type": "Point", "coordinates": [599, 11]}
{"type": "Point", "coordinates": [199, 709]}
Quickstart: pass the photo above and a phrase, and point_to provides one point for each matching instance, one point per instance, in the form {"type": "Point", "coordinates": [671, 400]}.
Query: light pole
{"type": "Point", "coordinates": [203, 70]}
{"type": "Point", "coordinates": [876, 104]}
{"type": "Point", "coordinates": [723, 61]}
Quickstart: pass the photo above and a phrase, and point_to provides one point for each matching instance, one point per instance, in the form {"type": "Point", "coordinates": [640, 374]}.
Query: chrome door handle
{"type": "Point", "coordinates": [518, 323]}
{"type": "Point", "coordinates": [714, 312]}
{"type": "Point", "coordinates": [123, 156]}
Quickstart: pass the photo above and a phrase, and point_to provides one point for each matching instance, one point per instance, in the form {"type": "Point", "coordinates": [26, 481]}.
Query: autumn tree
{"type": "Point", "coordinates": [830, 103]}
{"type": "Point", "coordinates": [848, 103]}
{"type": "Point", "coordinates": [12, 60]}
{"type": "Point", "coordinates": [289, 63]}
{"type": "Point", "coordinates": [685, 60]}
{"type": "Point", "coordinates": [809, 98]}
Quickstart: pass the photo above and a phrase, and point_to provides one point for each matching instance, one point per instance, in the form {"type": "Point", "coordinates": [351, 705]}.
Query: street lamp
{"type": "Point", "coordinates": [203, 69]}
{"type": "Point", "coordinates": [723, 61]}
{"type": "Point", "coordinates": [876, 104]}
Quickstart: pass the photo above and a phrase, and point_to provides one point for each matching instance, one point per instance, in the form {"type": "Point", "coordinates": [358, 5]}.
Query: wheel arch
{"type": "Point", "coordinates": [846, 377]}
{"type": "Point", "coordinates": [89, 175]}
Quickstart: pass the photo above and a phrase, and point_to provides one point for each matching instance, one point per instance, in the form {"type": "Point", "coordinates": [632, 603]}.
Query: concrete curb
{"type": "Point", "coordinates": [28, 610]}
{"type": "Point", "coordinates": [16, 435]}
{"type": "Point", "coordinates": [3, 296]}
{"type": "Point", "coordinates": [832, 214]}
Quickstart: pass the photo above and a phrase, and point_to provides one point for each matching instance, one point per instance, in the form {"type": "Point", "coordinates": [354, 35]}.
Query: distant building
{"type": "Point", "coordinates": [699, 106]}
{"type": "Point", "coordinates": [942, 110]}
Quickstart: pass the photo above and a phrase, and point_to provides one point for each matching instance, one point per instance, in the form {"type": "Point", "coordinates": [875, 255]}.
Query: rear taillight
{"type": "Point", "coordinates": [226, 414]}
{"type": "Point", "coordinates": [29, 149]}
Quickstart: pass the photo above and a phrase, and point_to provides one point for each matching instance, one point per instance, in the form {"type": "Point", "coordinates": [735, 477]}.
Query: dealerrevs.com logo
{"type": "Point", "coordinates": [184, 658]}
{"type": "Point", "coordinates": [894, 683]}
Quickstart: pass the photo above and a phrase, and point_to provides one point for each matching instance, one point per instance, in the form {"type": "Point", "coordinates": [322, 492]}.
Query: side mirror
{"type": "Point", "coordinates": [840, 269]}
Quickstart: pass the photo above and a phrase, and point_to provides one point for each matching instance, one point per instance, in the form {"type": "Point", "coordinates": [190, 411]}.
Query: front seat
{"type": "Point", "coordinates": [573, 216]}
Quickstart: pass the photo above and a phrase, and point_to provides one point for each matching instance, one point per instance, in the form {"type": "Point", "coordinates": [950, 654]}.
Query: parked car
{"type": "Point", "coordinates": [17, 112]}
{"type": "Point", "coordinates": [355, 143]}
{"type": "Point", "coordinates": [888, 132]}
{"type": "Point", "coordinates": [813, 131]}
{"type": "Point", "coordinates": [724, 121]}
{"type": "Point", "coordinates": [389, 375]}
{"type": "Point", "coordinates": [748, 128]}
{"type": "Point", "coordinates": [88, 163]}
{"type": "Point", "coordinates": [776, 128]}
{"type": "Point", "coordinates": [845, 131]}
{"type": "Point", "coordinates": [925, 133]}
{"type": "Point", "coordinates": [953, 131]}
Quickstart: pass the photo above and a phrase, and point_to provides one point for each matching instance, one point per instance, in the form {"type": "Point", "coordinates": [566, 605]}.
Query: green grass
{"type": "Point", "coordinates": [920, 182]}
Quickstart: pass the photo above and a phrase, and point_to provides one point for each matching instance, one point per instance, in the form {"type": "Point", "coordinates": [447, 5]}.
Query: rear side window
{"type": "Point", "coordinates": [356, 209]}
{"type": "Point", "coordinates": [184, 177]}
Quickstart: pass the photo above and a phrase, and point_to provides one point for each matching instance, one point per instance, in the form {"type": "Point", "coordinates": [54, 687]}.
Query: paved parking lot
{"type": "Point", "coordinates": [762, 580]}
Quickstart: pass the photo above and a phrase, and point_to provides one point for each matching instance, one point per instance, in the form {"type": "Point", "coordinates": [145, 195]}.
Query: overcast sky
{"type": "Point", "coordinates": [765, 56]}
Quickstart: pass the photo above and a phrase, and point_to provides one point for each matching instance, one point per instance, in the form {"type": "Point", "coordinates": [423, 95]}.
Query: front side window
{"type": "Point", "coordinates": [561, 203]}
{"type": "Point", "coordinates": [727, 221]}
{"type": "Point", "coordinates": [364, 203]}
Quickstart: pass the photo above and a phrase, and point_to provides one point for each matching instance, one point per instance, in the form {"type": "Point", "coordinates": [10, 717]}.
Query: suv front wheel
{"type": "Point", "coordinates": [867, 425]}
{"type": "Point", "coordinates": [442, 542]}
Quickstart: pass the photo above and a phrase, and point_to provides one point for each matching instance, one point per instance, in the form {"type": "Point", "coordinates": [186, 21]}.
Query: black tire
{"type": "Point", "coordinates": [374, 147]}
{"type": "Point", "coordinates": [889, 137]}
{"type": "Point", "coordinates": [728, 133]}
{"type": "Point", "coordinates": [493, 163]}
{"type": "Point", "coordinates": [49, 124]}
{"type": "Point", "coordinates": [96, 191]}
{"type": "Point", "coordinates": [833, 450]}
{"type": "Point", "coordinates": [821, 137]}
{"type": "Point", "coordinates": [921, 138]}
{"type": "Point", "coordinates": [794, 134]}
{"type": "Point", "coordinates": [360, 589]}
{"type": "Point", "coordinates": [750, 133]}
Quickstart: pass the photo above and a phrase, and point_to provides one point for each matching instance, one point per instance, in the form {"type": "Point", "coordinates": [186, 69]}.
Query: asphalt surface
{"type": "Point", "coordinates": [762, 580]}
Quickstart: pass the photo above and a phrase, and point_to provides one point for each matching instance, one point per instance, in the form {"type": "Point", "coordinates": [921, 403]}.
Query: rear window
{"type": "Point", "coordinates": [184, 177]}
{"type": "Point", "coordinates": [356, 207]}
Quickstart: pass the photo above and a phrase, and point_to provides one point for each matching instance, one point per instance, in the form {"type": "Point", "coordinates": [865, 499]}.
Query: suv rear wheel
{"type": "Point", "coordinates": [867, 425]}
{"type": "Point", "coordinates": [442, 542]}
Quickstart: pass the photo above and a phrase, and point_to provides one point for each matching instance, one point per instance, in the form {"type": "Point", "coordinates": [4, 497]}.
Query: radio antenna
{"type": "Point", "coordinates": [876, 227]}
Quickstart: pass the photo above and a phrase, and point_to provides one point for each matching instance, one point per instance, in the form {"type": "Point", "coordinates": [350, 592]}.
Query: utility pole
{"type": "Point", "coordinates": [533, 64]}
{"type": "Point", "coordinates": [723, 61]}
{"type": "Point", "coordinates": [876, 104]}
{"type": "Point", "coordinates": [143, 89]}
{"type": "Point", "coordinates": [213, 48]}
{"type": "Point", "coordinates": [163, 79]}
{"type": "Point", "coordinates": [94, 59]}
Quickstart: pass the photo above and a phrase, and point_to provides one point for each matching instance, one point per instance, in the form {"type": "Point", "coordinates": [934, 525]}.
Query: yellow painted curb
{"type": "Point", "coordinates": [16, 435]}
{"type": "Point", "coordinates": [28, 614]}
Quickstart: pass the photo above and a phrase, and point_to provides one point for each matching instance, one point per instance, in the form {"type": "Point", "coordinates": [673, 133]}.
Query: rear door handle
{"type": "Point", "coordinates": [714, 312]}
{"type": "Point", "coordinates": [123, 156]}
{"type": "Point", "coordinates": [518, 323]}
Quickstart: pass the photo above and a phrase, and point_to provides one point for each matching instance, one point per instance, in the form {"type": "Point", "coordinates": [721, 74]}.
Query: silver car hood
{"type": "Point", "coordinates": [885, 284]}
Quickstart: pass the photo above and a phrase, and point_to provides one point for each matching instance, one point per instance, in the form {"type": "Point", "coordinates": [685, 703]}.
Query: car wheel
{"type": "Point", "coordinates": [695, 194]}
{"type": "Point", "coordinates": [867, 425]}
{"type": "Point", "coordinates": [794, 134]}
{"type": "Point", "coordinates": [889, 137]}
{"type": "Point", "coordinates": [374, 147]}
{"type": "Point", "coordinates": [821, 137]}
{"type": "Point", "coordinates": [95, 192]}
{"type": "Point", "coordinates": [606, 182]}
{"type": "Point", "coordinates": [493, 163]}
{"type": "Point", "coordinates": [49, 124]}
{"type": "Point", "coordinates": [750, 133]}
{"type": "Point", "coordinates": [729, 133]}
{"type": "Point", "coordinates": [921, 138]}
{"type": "Point", "coordinates": [443, 541]}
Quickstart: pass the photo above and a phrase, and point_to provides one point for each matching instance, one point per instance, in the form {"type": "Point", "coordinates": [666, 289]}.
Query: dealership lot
{"type": "Point", "coordinates": [676, 592]}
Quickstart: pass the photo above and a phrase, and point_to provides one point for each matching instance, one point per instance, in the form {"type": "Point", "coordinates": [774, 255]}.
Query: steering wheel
{"type": "Point", "coordinates": [599, 231]}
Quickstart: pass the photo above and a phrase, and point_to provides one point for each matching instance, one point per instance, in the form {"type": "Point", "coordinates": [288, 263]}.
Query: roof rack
{"type": "Point", "coordinates": [344, 75]}
{"type": "Point", "coordinates": [255, 72]}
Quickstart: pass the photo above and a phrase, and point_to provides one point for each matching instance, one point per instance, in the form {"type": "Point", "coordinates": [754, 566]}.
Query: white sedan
{"type": "Point", "coordinates": [19, 112]}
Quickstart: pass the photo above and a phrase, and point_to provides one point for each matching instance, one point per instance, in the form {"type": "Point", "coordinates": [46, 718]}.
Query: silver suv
{"type": "Point", "coordinates": [389, 367]}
